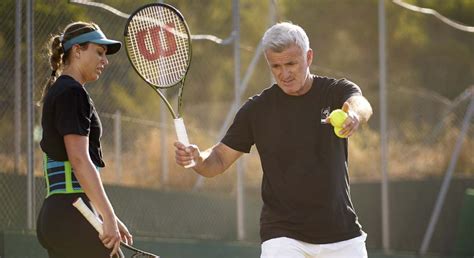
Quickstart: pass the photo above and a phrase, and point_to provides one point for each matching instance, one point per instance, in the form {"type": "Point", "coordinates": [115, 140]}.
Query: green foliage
{"type": "Point", "coordinates": [422, 50]}
{"type": "Point", "coordinates": [457, 10]}
{"type": "Point", "coordinates": [439, 55]}
{"type": "Point", "coordinates": [424, 54]}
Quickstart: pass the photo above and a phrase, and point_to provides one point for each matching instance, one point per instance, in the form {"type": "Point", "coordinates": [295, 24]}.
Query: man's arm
{"type": "Point", "coordinates": [361, 107]}
{"type": "Point", "coordinates": [358, 111]}
{"type": "Point", "coordinates": [209, 163]}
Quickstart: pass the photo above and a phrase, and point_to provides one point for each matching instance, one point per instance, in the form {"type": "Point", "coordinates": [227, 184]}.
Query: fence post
{"type": "Point", "coordinates": [30, 199]}
{"type": "Point", "coordinates": [18, 74]}
{"type": "Point", "coordinates": [383, 128]}
{"type": "Point", "coordinates": [164, 144]}
{"type": "Point", "coordinates": [118, 144]}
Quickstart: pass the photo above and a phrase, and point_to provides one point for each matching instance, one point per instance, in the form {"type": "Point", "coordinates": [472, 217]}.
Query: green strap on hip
{"type": "Point", "coordinates": [59, 177]}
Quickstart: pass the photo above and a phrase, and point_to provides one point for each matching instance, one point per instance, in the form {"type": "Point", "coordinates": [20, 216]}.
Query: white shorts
{"type": "Point", "coordinates": [284, 247]}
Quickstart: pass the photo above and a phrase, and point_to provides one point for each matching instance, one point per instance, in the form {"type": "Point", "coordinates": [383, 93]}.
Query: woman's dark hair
{"type": "Point", "coordinates": [56, 54]}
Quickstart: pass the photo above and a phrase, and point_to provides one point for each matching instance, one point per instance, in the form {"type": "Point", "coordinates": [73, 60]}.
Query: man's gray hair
{"type": "Point", "coordinates": [282, 35]}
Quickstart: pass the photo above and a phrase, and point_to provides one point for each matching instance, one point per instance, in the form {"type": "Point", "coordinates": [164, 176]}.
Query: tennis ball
{"type": "Point", "coordinates": [337, 117]}
{"type": "Point", "coordinates": [336, 131]}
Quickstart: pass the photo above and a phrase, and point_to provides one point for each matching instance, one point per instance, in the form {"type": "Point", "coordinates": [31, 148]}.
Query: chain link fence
{"type": "Point", "coordinates": [138, 130]}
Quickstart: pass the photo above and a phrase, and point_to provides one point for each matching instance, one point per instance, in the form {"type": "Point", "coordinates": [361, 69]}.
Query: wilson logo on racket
{"type": "Point", "coordinates": [157, 36]}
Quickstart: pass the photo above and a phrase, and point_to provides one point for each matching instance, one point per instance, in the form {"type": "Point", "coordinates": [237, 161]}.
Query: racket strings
{"type": "Point", "coordinates": [159, 45]}
{"type": "Point", "coordinates": [141, 255]}
{"type": "Point", "coordinates": [135, 252]}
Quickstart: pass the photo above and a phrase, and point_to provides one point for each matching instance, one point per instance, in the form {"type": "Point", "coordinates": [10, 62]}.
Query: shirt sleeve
{"type": "Point", "coordinates": [73, 112]}
{"type": "Point", "coordinates": [239, 136]}
{"type": "Point", "coordinates": [346, 89]}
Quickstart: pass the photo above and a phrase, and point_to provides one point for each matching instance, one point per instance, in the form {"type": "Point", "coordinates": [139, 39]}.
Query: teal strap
{"type": "Point", "coordinates": [59, 177]}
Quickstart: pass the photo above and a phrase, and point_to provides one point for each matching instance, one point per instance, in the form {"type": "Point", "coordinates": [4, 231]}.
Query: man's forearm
{"type": "Point", "coordinates": [216, 160]}
{"type": "Point", "coordinates": [209, 164]}
{"type": "Point", "coordinates": [361, 106]}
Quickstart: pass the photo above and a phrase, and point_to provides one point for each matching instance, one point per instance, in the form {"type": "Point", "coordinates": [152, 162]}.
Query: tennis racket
{"type": "Point", "coordinates": [158, 45]}
{"type": "Point", "coordinates": [97, 224]}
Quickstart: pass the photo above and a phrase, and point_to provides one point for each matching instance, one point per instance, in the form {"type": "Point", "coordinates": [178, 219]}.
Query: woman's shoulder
{"type": "Point", "coordinates": [64, 91]}
{"type": "Point", "coordinates": [66, 85]}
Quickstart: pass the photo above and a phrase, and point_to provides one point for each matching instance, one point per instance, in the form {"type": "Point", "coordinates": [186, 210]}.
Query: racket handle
{"type": "Point", "coordinates": [182, 136]}
{"type": "Point", "coordinates": [92, 218]}
{"type": "Point", "coordinates": [88, 214]}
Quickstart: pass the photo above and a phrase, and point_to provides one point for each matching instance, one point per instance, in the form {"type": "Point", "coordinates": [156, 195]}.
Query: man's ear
{"type": "Point", "coordinates": [309, 56]}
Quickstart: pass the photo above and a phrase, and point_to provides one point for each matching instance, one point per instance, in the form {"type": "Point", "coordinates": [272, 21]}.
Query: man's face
{"type": "Point", "coordinates": [290, 68]}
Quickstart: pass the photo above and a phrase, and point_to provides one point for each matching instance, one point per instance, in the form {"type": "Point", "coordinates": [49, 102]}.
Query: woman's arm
{"type": "Point", "coordinates": [77, 148]}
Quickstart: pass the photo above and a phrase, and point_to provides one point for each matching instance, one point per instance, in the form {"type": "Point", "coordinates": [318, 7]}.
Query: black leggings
{"type": "Point", "coordinates": [64, 232]}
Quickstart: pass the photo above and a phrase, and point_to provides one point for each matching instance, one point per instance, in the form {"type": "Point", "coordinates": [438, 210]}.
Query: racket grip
{"type": "Point", "coordinates": [88, 214]}
{"type": "Point", "coordinates": [182, 136]}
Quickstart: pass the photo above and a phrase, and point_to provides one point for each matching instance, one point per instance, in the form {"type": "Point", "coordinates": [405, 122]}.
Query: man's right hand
{"type": "Point", "coordinates": [184, 155]}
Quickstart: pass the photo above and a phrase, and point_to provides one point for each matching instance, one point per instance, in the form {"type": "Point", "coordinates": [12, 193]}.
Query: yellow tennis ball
{"type": "Point", "coordinates": [337, 117]}
{"type": "Point", "coordinates": [338, 134]}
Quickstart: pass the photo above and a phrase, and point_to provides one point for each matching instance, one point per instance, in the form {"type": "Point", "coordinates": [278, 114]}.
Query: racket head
{"type": "Point", "coordinates": [130, 251]}
{"type": "Point", "coordinates": [158, 44]}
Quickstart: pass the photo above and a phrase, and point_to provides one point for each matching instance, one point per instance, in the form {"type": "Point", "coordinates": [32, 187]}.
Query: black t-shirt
{"type": "Point", "coordinates": [68, 109]}
{"type": "Point", "coordinates": [305, 187]}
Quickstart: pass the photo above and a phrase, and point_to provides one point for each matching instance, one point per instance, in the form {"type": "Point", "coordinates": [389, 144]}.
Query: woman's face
{"type": "Point", "coordinates": [92, 61]}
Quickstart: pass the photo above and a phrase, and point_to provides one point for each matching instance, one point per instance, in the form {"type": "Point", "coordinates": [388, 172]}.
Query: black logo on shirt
{"type": "Point", "coordinates": [324, 114]}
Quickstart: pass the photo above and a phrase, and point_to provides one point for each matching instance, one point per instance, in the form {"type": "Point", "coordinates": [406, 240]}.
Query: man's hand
{"type": "Point", "coordinates": [184, 155]}
{"type": "Point", "coordinates": [352, 122]}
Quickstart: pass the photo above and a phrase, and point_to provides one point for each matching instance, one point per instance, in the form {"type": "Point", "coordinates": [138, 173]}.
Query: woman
{"type": "Point", "coordinates": [71, 144]}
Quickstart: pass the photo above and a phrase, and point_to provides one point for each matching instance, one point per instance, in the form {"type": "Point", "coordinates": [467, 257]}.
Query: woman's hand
{"type": "Point", "coordinates": [124, 233]}
{"type": "Point", "coordinates": [111, 235]}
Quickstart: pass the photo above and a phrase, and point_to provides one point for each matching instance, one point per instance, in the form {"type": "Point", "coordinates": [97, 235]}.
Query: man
{"type": "Point", "coordinates": [307, 211]}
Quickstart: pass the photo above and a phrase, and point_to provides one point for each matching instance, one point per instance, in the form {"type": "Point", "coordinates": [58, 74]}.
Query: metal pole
{"type": "Point", "coordinates": [164, 140]}
{"type": "Point", "coordinates": [272, 12]}
{"type": "Point", "coordinates": [447, 178]}
{"type": "Point", "coordinates": [272, 21]}
{"type": "Point", "coordinates": [17, 122]}
{"type": "Point", "coordinates": [240, 162]}
{"type": "Point", "coordinates": [30, 114]}
{"type": "Point", "coordinates": [164, 144]}
{"type": "Point", "coordinates": [383, 128]}
{"type": "Point", "coordinates": [246, 78]}
{"type": "Point", "coordinates": [243, 85]}
{"type": "Point", "coordinates": [118, 145]}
